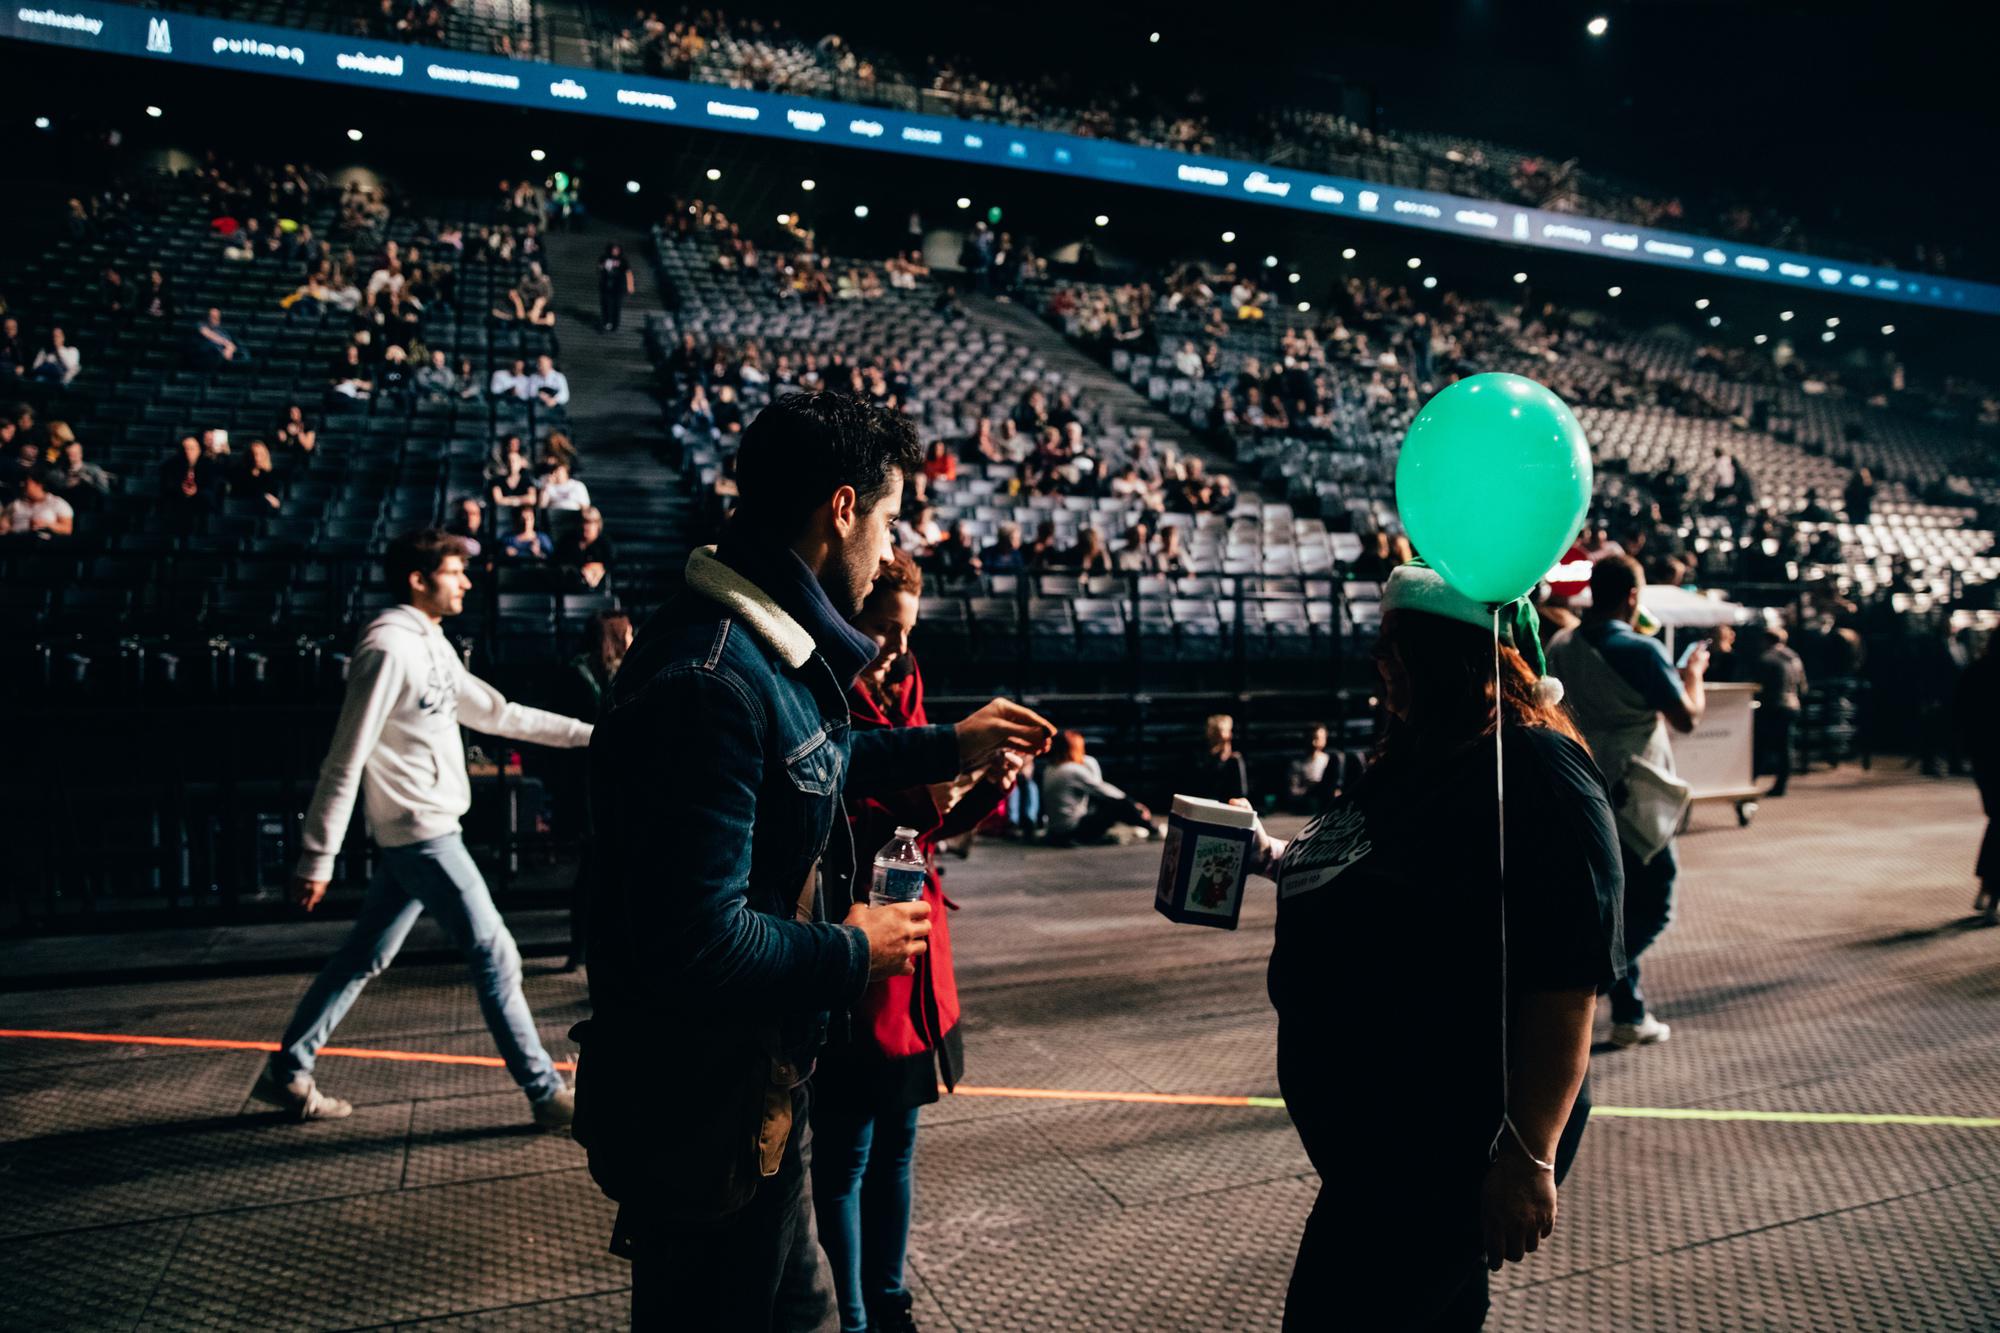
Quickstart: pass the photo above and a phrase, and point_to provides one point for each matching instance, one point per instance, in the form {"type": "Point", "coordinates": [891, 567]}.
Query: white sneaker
{"type": "Point", "coordinates": [1648, 1031]}
{"type": "Point", "coordinates": [301, 1097]}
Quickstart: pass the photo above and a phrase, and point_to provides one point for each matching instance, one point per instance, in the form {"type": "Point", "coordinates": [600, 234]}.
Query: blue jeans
{"type": "Point", "coordinates": [1024, 804]}
{"type": "Point", "coordinates": [861, 1194]}
{"type": "Point", "coordinates": [1649, 906]}
{"type": "Point", "coordinates": [441, 876]}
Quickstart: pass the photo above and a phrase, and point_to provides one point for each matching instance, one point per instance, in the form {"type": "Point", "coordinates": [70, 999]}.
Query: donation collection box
{"type": "Point", "coordinates": [1204, 862]}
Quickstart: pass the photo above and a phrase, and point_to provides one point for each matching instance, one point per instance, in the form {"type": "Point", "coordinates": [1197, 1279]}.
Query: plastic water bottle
{"type": "Point", "coordinates": [899, 871]}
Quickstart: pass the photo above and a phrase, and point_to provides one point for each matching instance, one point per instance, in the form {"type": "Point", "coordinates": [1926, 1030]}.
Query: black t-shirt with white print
{"type": "Point", "coordinates": [1386, 967]}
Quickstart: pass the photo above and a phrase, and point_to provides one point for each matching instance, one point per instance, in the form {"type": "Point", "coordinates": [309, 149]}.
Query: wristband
{"type": "Point", "coordinates": [1507, 1126]}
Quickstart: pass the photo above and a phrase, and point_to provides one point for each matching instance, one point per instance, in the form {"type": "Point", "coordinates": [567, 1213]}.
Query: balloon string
{"type": "Point", "coordinates": [1500, 802]}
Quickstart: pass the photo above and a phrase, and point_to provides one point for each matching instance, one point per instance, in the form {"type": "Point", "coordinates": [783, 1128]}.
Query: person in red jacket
{"type": "Point", "coordinates": [904, 1039]}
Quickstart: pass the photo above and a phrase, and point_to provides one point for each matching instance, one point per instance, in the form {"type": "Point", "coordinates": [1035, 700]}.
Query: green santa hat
{"type": "Point", "coordinates": [1417, 587]}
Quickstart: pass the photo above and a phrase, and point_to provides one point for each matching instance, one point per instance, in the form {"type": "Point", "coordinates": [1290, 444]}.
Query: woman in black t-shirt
{"type": "Point", "coordinates": [1387, 974]}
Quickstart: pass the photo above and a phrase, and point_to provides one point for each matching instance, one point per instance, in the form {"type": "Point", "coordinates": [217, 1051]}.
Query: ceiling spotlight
{"type": "Point", "coordinates": [1785, 315]}
{"type": "Point", "coordinates": [808, 184]}
{"type": "Point", "coordinates": [354, 135]}
{"type": "Point", "coordinates": [1520, 277]}
{"type": "Point", "coordinates": [1715, 321]}
{"type": "Point", "coordinates": [963, 202]}
{"type": "Point", "coordinates": [1888, 329]}
{"type": "Point", "coordinates": [1102, 220]}
{"type": "Point", "coordinates": [1828, 336]}
{"type": "Point", "coordinates": [1153, 37]}
{"type": "Point", "coordinates": [1760, 339]}
{"type": "Point", "coordinates": [1348, 253]}
{"type": "Point", "coordinates": [1305, 306]}
{"type": "Point", "coordinates": [1416, 262]}
{"type": "Point", "coordinates": [1614, 291]}
{"type": "Point", "coordinates": [1598, 26]}
{"type": "Point", "coordinates": [784, 219]}
{"type": "Point", "coordinates": [861, 210]}
{"type": "Point", "coordinates": [1833, 321]}
{"type": "Point", "coordinates": [1291, 277]}
{"type": "Point", "coordinates": [538, 154]}
{"type": "Point", "coordinates": [41, 122]}
{"type": "Point", "coordinates": [1430, 282]}
{"type": "Point", "coordinates": [631, 187]}
{"type": "Point", "coordinates": [714, 173]}
{"type": "Point", "coordinates": [1228, 237]}
{"type": "Point", "coordinates": [1270, 261]}
{"type": "Point", "coordinates": [1702, 304]}
{"type": "Point", "coordinates": [155, 112]}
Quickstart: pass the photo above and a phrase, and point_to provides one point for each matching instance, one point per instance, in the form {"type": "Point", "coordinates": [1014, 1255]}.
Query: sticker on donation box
{"type": "Point", "coordinates": [1204, 861]}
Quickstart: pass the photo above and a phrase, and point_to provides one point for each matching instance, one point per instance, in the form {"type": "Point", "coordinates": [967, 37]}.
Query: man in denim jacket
{"type": "Point", "coordinates": [730, 924]}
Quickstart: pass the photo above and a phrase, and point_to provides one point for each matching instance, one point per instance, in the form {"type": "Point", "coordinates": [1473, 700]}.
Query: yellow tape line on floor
{"type": "Point", "coordinates": [1033, 1094]}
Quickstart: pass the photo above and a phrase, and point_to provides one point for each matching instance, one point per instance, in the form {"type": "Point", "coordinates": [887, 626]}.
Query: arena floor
{"type": "Point", "coordinates": [1824, 965]}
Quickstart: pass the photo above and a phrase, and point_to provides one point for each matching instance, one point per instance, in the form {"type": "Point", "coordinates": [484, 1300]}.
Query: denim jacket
{"type": "Point", "coordinates": [717, 771]}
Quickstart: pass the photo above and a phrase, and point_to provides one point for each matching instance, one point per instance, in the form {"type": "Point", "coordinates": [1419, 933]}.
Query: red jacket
{"type": "Point", "coordinates": [905, 1040]}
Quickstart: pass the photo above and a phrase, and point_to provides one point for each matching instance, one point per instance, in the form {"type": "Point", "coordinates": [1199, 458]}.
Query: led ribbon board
{"type": "Point", "coordinates": [199, 40]}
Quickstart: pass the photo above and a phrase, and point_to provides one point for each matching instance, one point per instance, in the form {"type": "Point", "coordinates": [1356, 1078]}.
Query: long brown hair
{"type": "Point", "coordinates": [1449, 667]}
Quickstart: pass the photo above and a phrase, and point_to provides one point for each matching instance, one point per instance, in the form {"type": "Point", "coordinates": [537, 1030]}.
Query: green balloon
{"type": "Point", "coordinates": [1493, 484]}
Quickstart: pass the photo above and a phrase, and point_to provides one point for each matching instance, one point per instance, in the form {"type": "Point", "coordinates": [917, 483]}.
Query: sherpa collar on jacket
{"type": "Point", "coordinates": [777, 598]}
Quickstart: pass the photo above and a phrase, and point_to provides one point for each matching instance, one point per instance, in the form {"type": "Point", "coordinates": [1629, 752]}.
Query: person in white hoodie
{"type": "Point", "coordinates": [398, 745]}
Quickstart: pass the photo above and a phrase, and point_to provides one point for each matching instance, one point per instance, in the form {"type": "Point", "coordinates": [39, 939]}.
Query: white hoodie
{"type": "Point", "coordinates": [398, 739]}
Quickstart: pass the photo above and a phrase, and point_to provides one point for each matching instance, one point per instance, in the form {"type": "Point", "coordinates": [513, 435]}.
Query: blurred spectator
{"type": "Point", "coordinates": [468, 380]}
{"type": "Point", "coordinates": [587, 553]}
{"type": "Point", "coordinates": [437, 381]}
{"type": "Point", "coordinates": [393, 376]}
{"type": "Point", "coordinates": [1090, 556]}
{"type": "Point", "coordinates": [58, 362]}
{"type": "Point", "coordinates": [1005, 555]}
{"type": "Point", "coordinates": [1781, 683]}
{"type": "Point", "coordinates": [37, 515]}
{"type": "Point", "coordinates": [530, 300]}
{"type": "Point", "coordinates": [14, 358]}
{"type": "Point", "coordinates": [512, 381]}
{"type": "Point", "coordinates": [214, 346]}
{"type": "Point", "coordinates": [1221, 775]}
{"type": "Point", "coordinates": [156, 297]}
{"type": "Point", "coordinates": [1081, 806]}
{"type": "Point", "coordinates": [1308, 787]}
{"type": "Point", "coordinates": [78, 481]}
{"type": "Point", "coordinates": [561, 491]}
{"type": "Point", "coordinates": [468, 524]}
{"type": "Point", "coordinates": [1377, 558]}
{"type": "Point", "coordinates": [614, 283]}
{"type": "Point", "coordinates": [526, 544]}
{"type": "Point", "coordinates": [256, 481]}
{"type": "Point", "coordinates": [191, 485]}
{"type": "Point", "coordinates": [1859, 498]}
{"type": "Point", "coordinates": [940, 464]}
{"type": "Point", "coordinates": [1976, 705]}
{"type": "Point", "coordinates": [295, 432]}
{"type": "Point", "coordinates": [514, 487]}
{"type": "Point", "coordinates": [1136, 555]}
{"type": "Point", "coordinates": [1172, 560]}
{"type": "Point", "coordinates": [549, 385]}
{"type": "Point", "coordinates": [956, 556]}
{"type": "Point", "coordinates": [351, 378]}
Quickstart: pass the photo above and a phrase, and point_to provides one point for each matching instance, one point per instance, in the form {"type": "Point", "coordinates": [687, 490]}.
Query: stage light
{"type": "Point", "coordinates": [963, 202]}
{"type": "Point", "coordinates": [1305, 306]}
{"type": "Point", "coordinates": [1702, 304]}
{"type": "Point", "coordinates": [1153, 38]}
{"type": "Point", "coordinates": [41, 122]}
{"type": "Point", "coordinates": [354, 135]}
{"type": "Point", "coordinates": [1270, 261]}
{"type": "Point", "coordinates": [784, 219]}
{"type": "Point", "coordinates": [1520, 277]}
{"type": "Point", "coordinates": [1598, 26]}
{"type": "Point", "coordinates": [1715, 321]}
{"type": "Point", "coordinates": [1614, 292]}
{"type": "Point", "coordinates": [714, 173]}
{"type": "Point", "coordinates": [808, 184]}
{"type": "Point", "coordinates": [1833, 321]}
{"type": "Point", "coordinates": [155, 112]}
{"type": "Point", "coordinates": [1102, 220]}
{"type": "Point", "coordinates": [1291, 277]}
{"type": "Point", "coordinates": [1888, 329]}
{"type": "Point", "coordinates": [1760, 340]}
{"type": "Point", "coordinates": [1430, 282]}
{"type": "Point", "coordinates": [1348, 253]}
{"type": "Point", "coordinates": [1228, 237]}
{"type": "Point", "coordinates": [631, 187]}
{"type": "Point", "coordinates": [1415, 262]}
{"type": "Point", "coordinates": [861, 210]}
{"type": "Point", "coordinates": [1828, 336]}
{"type": "Point", "coordinates": [1785, 315]}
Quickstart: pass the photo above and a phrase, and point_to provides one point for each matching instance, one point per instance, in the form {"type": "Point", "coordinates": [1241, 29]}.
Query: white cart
{"type": "Point", "coordinates": [1716, 758]}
